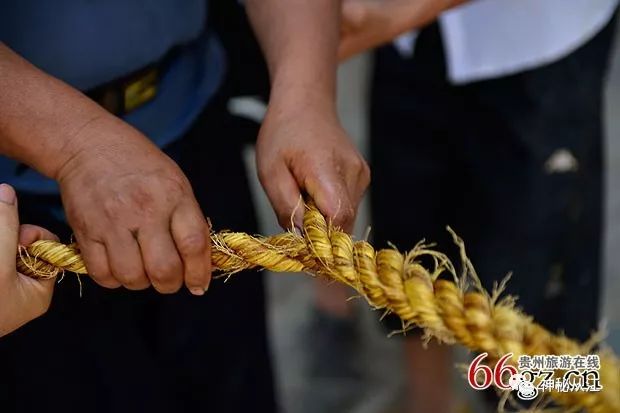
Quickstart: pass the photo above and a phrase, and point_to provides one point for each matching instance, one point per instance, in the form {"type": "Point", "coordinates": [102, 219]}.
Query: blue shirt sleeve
{"type": "Point", "coordinates": [88, 42]}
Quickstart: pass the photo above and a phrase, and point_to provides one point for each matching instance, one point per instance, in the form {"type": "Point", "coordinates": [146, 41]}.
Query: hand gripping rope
{"type": "Point", "coordinates": [453, 309]}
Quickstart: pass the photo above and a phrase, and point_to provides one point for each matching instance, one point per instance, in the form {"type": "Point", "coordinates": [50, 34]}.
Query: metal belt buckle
{"type": "Point", "coordinates": [140, 89]}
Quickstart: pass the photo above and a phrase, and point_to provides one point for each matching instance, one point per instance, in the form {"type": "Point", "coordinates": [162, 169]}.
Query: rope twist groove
{"type": "Point", "coordinates": [422, 287]}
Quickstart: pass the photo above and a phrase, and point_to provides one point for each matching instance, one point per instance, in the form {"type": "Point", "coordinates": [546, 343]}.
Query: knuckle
{"type": "Point", "coordinates": [143, 200]}
{"type": "Point", "coordinates": [358, 163]}
{"type": "Point", "coordinates": [110, 208]}
{"type": "Point", "coordinates": [365, 171]}
{"type": "Point", "coordinates": [100, 274]}
{"type": "Point", "coordinates": [192, 244]}
{"type": "Point", "coordinates": [361, 166]}
{"type": "Point", "coordinates": [166, 272]}
{"type": "Point", "coordinates": [178, 184]}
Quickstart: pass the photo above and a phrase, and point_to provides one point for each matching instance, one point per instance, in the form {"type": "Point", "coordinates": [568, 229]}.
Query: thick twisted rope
{"type": "Point", "coordinates": [454, 310]}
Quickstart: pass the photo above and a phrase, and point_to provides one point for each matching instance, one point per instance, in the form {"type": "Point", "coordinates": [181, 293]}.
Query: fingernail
{"type": "Point", "coordinates": [7, 194]}
{"type": "Point", "coordinates": [197, 291]}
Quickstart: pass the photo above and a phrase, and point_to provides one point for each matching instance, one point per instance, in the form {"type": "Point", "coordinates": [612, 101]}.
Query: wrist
{"type": "Point", "coordinates": [71, 148]}
{"type": "Point", "coordinates": [99, 139]}
{"type": "Point", "coordinates": [299, 98]}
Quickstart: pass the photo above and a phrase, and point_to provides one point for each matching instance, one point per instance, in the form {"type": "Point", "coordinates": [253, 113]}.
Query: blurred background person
{"type": "Point", "coordinates": [488, 119]}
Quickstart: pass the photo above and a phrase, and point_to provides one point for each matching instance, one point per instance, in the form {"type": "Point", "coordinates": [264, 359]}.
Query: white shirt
{"type": "Point", "coordinates": [492, 38]}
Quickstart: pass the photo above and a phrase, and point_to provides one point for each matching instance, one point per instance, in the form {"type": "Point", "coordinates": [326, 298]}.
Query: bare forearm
{"type": "Point", "coordinates": [367, 24]}
{"type": "Point", "coordinates": [40, 116]}
{"type": "Point", "coordinates": [300, 42]}
{"type": "Point", "coordinates": [420, 13]}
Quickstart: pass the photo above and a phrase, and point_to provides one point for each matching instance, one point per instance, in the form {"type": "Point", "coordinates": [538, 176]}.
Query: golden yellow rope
{"type": "Point", "coordinates": [455, 310]}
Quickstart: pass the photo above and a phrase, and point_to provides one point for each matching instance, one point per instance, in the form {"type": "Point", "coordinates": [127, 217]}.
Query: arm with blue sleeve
{"type": "Point", "coordinates": [109, 174]}
{"type": "Point", "coordinates": [40, 116]}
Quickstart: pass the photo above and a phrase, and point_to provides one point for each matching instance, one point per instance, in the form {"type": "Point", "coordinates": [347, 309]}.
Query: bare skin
{"type": "Point", "coordinates": [301, 147]}
{"type": "Point", "coordinates": [23, 298]}
{"type": "Point", "coordinates": [367, 24]}
{"type": "Point", "coordinates": [131, 208]}
{"type": "Point", "coordinates": [429, 372]}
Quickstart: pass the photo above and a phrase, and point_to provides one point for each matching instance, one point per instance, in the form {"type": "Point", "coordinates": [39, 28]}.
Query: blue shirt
{"type": "Point", "coordinates": [87, 43]}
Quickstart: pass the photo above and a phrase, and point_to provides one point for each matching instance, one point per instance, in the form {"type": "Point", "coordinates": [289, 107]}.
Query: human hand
{"type": "Point", "coordinates": [22, 298]}
{"type": "Point", "coordinates": [367, 24]}
{"type": "Point", "coordinates": [302, 148]}
{"type": "Point", "coordinates": [133, 212]}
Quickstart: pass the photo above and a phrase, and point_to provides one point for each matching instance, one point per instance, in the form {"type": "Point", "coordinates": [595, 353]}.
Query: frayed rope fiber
{"type": "Point", "coordinates": [453, 308]}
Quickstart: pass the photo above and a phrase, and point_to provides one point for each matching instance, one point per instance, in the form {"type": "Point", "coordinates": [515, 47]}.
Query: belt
{"type": "Point", "coordinates": [130, 92]}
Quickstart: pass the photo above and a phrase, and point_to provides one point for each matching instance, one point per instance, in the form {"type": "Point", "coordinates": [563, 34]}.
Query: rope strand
{"type": "Point", "coordinates": [454, 310]}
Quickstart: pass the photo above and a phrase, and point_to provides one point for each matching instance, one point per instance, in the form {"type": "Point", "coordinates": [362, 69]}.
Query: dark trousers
{"type": "Point", "coordinates": [116, 351]}
{"type": "Point", "coordinates": [513, 164]}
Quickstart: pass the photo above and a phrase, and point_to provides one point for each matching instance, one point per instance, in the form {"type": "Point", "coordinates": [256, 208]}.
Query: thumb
{"type": "Point", "coordinates": [330, 194]}
{"type": "Point", "coordinates": [9, 226]}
